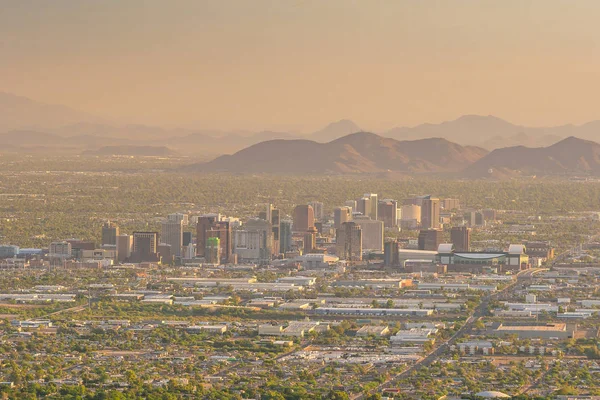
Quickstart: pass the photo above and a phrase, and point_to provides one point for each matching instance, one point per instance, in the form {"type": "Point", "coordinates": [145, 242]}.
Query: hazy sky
{"type": "Point", "coordinates": [274, 64]}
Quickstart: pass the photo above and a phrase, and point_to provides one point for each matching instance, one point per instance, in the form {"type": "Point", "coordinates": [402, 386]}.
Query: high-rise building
{"type": "Point", "coordinates": [451, 204]}
{"type": "Point", "coordinates": [124, 247]}
{"type": "Point", "coordinates": [253, 241]}
{"type": "Point", "coordinates": [363, 206]}
{"type": "Point", "coordinates": [304, 218]}
{"type": "Point", "coordinates": [310, 240]}
{"type": "Point", "coordinates": [166, 255]}
{"type": "Point", "coordinates": [176, 217]}
{"type": "Point", "coordinates": [211, 225]}
{"type": "Point", "coordinates": [411, 216]}
{"type": "Point", "coordinates": [318, 210]}
{"type": "Point", "coordinates": [460, 236]}
{"type": "Point", "coordinates": [388, 213]}
{"type": "Point", "coordinates": [187, 238]}
{"type": "Point", "coordinates": [205, 222]}
{"type": "Point", "coordinates": [285, 236]}
{"type": "Point", "coordinates": [374, 205]}
{"type": "Point", "coordinates": [430, 213]}
{"type": "Point", "coordinates": [430, 239]}
{"type": "Point", "coordinates": [349, 242]}
{"type": "Point", "coordinates": [341, 215]}
{"type": "Point", "coordinates": [213, 250]}
{"type": "Point", "coordinates": [110, 231]}
{"type": "Point", "coordinates": [276, 228]}
{"type": "Point", "coordinates": [145, 246]}
{"type": "Point", "coordinates": [172, 234]}
{"type": "Point", "coordinates": [372, 233]}
{"type": "Point", "coordinates": [391, 253]}
{"type": "Point", "coordinates": [351, 204]}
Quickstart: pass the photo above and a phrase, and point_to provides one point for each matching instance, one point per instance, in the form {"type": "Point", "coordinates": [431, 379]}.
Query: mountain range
{"type": "Point", "coordinates": [356, 153]}
{"type": "Point", "coordinates": [368, 153]}
{"type": "Point", "coordinates": [30, 126]}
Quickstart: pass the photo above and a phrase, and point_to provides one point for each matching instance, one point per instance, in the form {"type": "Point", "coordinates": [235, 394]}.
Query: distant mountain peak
{"type": "Point", "coordinates": [335, 130]}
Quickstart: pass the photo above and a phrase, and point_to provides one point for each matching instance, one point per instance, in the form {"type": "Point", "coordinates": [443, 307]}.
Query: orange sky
{"type": "Point", "coordinates": [299, 64]}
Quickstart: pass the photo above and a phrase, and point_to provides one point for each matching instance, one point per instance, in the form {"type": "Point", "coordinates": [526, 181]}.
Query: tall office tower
{"type": "Point", "coordinates": [166, 255]}
{"type": "Point", "coordinates": [222, 230]}
{"type": "Point", "coordinates": [271, 215]}
{"type": "Point", "coordinates": [276, 228]}
{"type": "Point", "coordinates": [145, 246]}
{"type": "Point", "coordinates": [416, 200]}
{"type": "Point", "coordinates": [266, 214]}
{"type": "Point", "coordinates": [351, 204]}
{"type": "Point", "coordinates": [253, 241]}
{"type": "Point", "coordinates": [460, 236]}
{"type": "Point", "coordinates": [341, 215]}
{"type": "Point", "coordinates": [176, 217]}
{"type": "Point", "coordinates": [391, 253]}
{"type": "Point", "coordinates": [187, 238]}
{"type": "Point", "coordinates": [349, 242]}
{"type": "Point", "coordinates": [430, 239]}
{"type": "Point", "coordinates": [318, 210]}
{"type": "Point", "coordinates": [213, 250]}
{"type": "Point", "coordinates": [124, 247]}
{"type": "Point", "coordinates": [310, 240]}
{"type": "Point", "coordinates": [430, 213]}
{"type": "Point", "coordinates": [110, 231]}
{"type": "Point", "coordinates": [451, 204]}
{"type": "Point", "coordinates": [363, 206]}
{"type": "Point", "coordinates": [372, 233]}
{"type": "Point", "coordinates": [304, 218]}
{"type": "Point", "coordinates": [172, 234]}
{"type": "Point", "coordinates": [212, 225]}
{"type": "Point", "coordinates": [285, 236]}
{"type": "Point", "coordinates": [388, 213]}
{"type": "Point", "coordinates": [411, 216]}
{"type": "Point", "coordinates": [372, 212]}
{"type": "Point", "coordinates": [204, 224]}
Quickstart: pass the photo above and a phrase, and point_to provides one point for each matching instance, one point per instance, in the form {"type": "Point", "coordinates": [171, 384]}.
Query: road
{"type": "Point", "coordinates": [478, 312]}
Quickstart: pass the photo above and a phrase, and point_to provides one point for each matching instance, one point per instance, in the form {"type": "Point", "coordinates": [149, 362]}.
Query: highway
{"type": "Point", "coordinates": [478, 312]}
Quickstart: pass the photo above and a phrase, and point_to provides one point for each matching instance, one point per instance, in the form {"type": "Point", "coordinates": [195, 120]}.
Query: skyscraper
{"type": "Point", "coordinates": [374, 205]}
{"type": "Point", "coordinates": [310, 240]}
{"type": "Point", "coordinates": [124, 247]}
{"type": "Point", "coordinates": [213, 250]}
{"type": "Point", "coordinates": [212, 225]}
{"type": "Point", "coordinates": [318, 210]}
{"type": "Point", "coordinates": [176, 217]}
{"type": "Point", "coordinates": [388, 213]}
{"type": "Point", "coordinates": [349, 242]}
{"type": "Point", "coordinates": [363, 206]}
{"type": "Point", "coordinates": [430, 213]}
{"type": "Point", "coordinates": [172, 234]}
{"type": "Point", "coordinates": [460, 236]}
{"type": "Point", "coordinates": [372, 233]}
{"type": "Point", "coordinates": [341, 215]}
{"type": "Point", "coordinates": [285, 236]}
{"type": "Point", "coordinates": [110, 231]}
{"type": "Point", "coordinates": [253, 241]}
{"type": "Point", "coordinates": [430, 239]}
{"type": "Point", "coordinates": [391, 255]}
{"type": "Point", "coordinates": [304, 218]}
{"type": "Point", "coordinates": [145, 246]}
